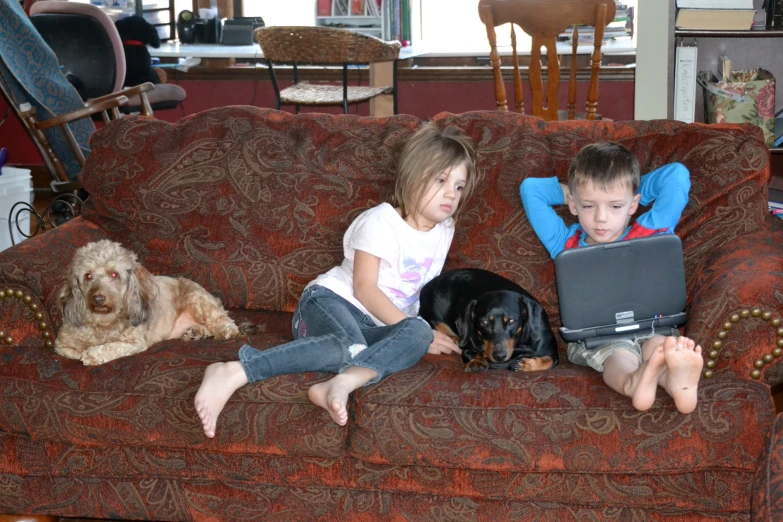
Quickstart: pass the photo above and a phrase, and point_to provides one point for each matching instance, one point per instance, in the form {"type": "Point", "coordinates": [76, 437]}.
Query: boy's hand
{"type": "Point", "coordinates": [442, 344]}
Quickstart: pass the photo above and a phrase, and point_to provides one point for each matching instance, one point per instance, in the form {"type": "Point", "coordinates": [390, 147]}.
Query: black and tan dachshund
{"type": "Point", "coordinates": [495, 322]}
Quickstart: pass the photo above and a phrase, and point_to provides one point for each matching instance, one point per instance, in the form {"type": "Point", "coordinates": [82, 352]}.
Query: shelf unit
{"type": "Point", "coordinates": [737, 44]}
{"type": "Point", "coordinates": [369, 25]}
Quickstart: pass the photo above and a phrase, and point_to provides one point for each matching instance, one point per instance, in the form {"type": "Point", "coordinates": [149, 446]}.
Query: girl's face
{"type": "Point", "coordinates": [441, 199]}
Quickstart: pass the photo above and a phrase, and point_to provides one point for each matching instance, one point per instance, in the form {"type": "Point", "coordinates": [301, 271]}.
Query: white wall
{"type": "Point", "coordinates": [651, 89]}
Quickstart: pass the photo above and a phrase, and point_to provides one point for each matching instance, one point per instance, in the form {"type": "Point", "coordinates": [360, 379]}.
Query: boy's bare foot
{"type": "Point", "coordinates": [220, 382]}
{"type": "Point", "coordinates": [683, 369]}
{"type": "Point", "coordinates": [650, 371]}
{"type": "Point", "coordinates": [332, 396]}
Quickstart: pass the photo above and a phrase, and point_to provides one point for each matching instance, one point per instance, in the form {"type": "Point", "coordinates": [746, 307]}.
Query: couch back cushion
{"type": "Point", "coordinates": [253, 203]}
{"type": "Point", "coordinates": [249, 202]}
{"type": "Point", "coordinates": [728, 166]}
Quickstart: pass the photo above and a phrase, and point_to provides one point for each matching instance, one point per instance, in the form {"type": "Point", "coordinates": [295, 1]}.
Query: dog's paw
{"type": "Point", "coordinates": [68, 353]}
{"type": "Point", "coordinates": [94, 356]}
{"type": "Point", "coordinates": [194, 333]}
{"type": "Point", "coordinates": [477, 365]}
{"type": "Point", "coordinates": [228, 331]}
{"type": "Point", "coordinates": [534, 364]}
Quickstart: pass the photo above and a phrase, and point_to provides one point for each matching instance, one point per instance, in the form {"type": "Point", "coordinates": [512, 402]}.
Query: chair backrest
{"type": "Point", "coordinates": [544, 21]}
{"type": "Point", "coordinates": [29, 73]}
{"type": "Point", "coordinates": [86, 43]}
{"type": "Point", "coordinates": [323, 45]}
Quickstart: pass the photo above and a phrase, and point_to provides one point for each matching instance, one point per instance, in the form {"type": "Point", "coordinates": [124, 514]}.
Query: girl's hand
{"type": "Point", "coordinates": [442, 344]}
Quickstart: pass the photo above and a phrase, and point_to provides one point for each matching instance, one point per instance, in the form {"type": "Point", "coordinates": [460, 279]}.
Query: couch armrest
{"type": "Point", "coordinates": [30, 274]}
{"type": "Point", "coordinates": [766, 502]}
{"type": "Point", "coordinates": [736, 304]}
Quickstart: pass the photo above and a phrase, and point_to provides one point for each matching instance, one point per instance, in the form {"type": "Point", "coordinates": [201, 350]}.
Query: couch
{"type": "Point", "coordinates": [252, 204]}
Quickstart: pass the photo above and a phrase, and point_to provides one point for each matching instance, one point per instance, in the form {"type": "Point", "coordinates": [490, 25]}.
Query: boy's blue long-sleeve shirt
{"type": "Point", "coordinates": [666, 187]}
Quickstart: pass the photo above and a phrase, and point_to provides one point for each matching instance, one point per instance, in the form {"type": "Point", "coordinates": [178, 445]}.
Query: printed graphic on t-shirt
{"type": "Point", "coordinates": [413, 278]}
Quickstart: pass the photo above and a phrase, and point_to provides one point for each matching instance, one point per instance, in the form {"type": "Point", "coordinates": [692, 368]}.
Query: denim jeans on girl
{"type": "Point", "coordinates": [331, 335]}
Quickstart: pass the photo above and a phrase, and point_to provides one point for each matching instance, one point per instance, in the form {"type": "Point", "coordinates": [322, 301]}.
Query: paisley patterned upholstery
{"type": "Point", "coordinates": [252, 204]}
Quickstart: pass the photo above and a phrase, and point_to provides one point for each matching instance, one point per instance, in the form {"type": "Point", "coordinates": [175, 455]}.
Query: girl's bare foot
{"type": "Point", "coordinates": [332, 395]}
{"type": "Point", "coordinates": [220, 382]}
{"type": "Point", "coordinates": [645, 383]}
{"type": "Point", "coordinates": [683, 369]}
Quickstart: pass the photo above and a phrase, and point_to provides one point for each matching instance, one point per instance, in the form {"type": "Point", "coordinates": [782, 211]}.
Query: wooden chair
{"type": "Point", "coordinates": [325, 46]}
{"type": "Point", "coordinates": [544, 20]}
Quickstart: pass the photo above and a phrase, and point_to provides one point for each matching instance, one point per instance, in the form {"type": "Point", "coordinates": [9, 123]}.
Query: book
{"type": "Point", "coordinates": [715, 4]}
{"type": "Point", "coordinates": [324, 7]}
{"type": "Point", "coordinates": [685, 84]}
{"type": "Point", "coordinates": [723, 19]}
{"type": "Point", "coordinates": [778, 131]}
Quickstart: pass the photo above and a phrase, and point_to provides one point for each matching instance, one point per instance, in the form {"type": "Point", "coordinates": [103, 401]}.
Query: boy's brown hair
{"type": "Point", "coordinates": [605, 164]}
{"type": "Point", "coordinates": [428, 153]}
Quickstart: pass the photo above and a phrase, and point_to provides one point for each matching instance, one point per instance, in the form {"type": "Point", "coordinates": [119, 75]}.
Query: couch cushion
{"type": "Point", "coordinates": [253, 203]}
{"type": "Point", "coordinates": [728, 165]}
{"type": "Point", "coordinates": [507, 433]}
{"type": "Point", "coordinates": [249, 202]}
{"type": "Point", "coordinates": [146, 400]}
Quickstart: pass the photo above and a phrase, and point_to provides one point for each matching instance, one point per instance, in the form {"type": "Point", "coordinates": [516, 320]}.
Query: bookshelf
{"type": "Point", "coordinates": [369, 25]}
{"type": "Point", "coordinates": [363, 16]}
{"type": "Point", "coordinates": [384, 19]}
{"type": "Point", "coordinates": [748, 49]}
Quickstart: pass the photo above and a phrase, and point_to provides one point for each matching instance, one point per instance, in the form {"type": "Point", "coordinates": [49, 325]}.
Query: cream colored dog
{"type": "Point", "coordinates": [113, 307]}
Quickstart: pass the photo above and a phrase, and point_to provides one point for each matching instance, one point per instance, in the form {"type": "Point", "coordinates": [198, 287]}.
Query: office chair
{"type": "Point", "coordinates": [325, 46]}
{"type": "Point", "coordinates": [544, 21]}
{"type": "Point", "coordinates": [90, 51]}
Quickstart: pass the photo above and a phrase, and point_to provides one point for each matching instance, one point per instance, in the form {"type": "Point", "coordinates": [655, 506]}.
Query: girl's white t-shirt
{"type": "Point", "coordinates": [409, 258]}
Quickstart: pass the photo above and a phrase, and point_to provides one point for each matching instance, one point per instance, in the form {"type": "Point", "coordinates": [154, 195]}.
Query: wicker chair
{"type": "Point", "coordinates": [325, 46]}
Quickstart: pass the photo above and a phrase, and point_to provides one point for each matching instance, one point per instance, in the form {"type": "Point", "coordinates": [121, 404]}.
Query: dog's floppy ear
{"type": "Point", "coordinates": [140, 295]}
{"type": "Point", "coordinates": [464, 324]}
{"type": "Point", "coordinates": [533, 326]}
{"type": "Point", "coordinates": [153, 38]}
{"type": "Point", "coordinates": [70, 300]}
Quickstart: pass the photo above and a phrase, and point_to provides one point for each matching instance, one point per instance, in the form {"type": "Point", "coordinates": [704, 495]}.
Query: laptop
{"type": "Point", "coordinates": [621, 289]}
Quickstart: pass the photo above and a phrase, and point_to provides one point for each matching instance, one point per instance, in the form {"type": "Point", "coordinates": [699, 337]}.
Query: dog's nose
{"type": "Point", "coordinates": [98, 300]}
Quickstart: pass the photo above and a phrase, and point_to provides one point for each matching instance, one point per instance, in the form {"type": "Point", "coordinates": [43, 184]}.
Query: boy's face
{"type": "Point", "coordinates": [603, 214]}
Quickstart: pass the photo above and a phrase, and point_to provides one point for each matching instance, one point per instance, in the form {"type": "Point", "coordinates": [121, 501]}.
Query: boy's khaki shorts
{"type": "Point", "coordinates": [595, 358]}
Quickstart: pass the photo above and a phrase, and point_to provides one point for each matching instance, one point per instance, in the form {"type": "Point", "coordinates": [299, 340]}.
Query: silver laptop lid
{"type": "Point", "coordinates": [621, 282]}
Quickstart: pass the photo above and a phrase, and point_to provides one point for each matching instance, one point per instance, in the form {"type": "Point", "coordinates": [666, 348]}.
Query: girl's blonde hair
{"type": "Point", "coordinates": [426, 155]}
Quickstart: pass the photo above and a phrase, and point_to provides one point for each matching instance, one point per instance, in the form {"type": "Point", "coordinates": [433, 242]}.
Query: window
{"type": "Point", "coordinates": [281, 12]}
{"type": "Point", "coordinates": [454, 26]}
{"type": "Point", "coordinates": [447, 26]}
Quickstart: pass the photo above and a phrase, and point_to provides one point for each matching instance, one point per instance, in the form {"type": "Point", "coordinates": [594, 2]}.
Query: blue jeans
{"type": "Point", "coordinates": [331, 335]}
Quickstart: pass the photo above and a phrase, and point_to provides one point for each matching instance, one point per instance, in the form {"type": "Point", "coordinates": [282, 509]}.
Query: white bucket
{"type": "Point", "coordinates": [15, 185]}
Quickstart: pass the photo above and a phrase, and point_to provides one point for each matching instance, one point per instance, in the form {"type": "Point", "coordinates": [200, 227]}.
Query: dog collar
{"type": "Point", "coordinates": [132, 42]}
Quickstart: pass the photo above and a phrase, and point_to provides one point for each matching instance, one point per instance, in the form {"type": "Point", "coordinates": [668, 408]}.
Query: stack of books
{"type": "Point", "coordinates": [621, 26]}
{"type": "Point", "coordinates": [715, 14]}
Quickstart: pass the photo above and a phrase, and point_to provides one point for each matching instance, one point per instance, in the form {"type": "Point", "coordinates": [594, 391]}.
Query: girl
{"type": "Point", "coordinates": [358, 320]}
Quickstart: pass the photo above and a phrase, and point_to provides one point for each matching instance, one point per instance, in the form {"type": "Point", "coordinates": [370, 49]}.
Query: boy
{"type": "Point", "coordinates": [604, 190]}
